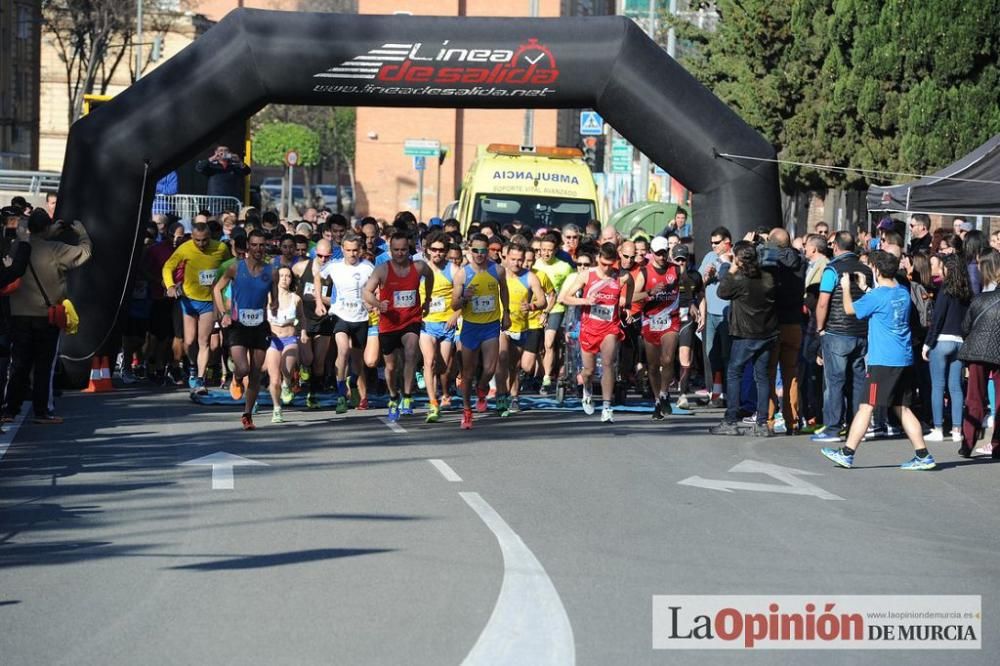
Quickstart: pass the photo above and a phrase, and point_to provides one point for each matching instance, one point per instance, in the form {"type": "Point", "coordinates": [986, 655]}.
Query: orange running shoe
{"type": "Point", "coordinates": [466, 419]}
{"type": "Point", "coordinates": [236, 390]}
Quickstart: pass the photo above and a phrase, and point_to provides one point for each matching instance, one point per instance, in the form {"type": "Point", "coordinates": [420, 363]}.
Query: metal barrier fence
{"type": "Point", "coordinates": [186, 206]}
{"type": "Point", "coordinates": [32, 182]}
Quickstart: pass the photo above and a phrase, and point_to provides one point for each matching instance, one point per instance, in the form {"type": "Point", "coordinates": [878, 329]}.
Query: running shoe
{"type": "Point", "coordinates": [658, 410]}
{"type": "Point", "coordinates": [393, 414]}
{"type": "Point", "coordinates": [407, 408]}
{"type": "Point", "coordinates": [304, 375]}
{"type": "Point", "coordinates": [810, 428]}
{"type": "Point", "coordinates": [445, 401]}
{"type": "Point", "coordinates": [433, 414]}
{"type": "Point", "coordinates": [725, 428]}
{"type": "Point", "coordinates": [192, 381]}
{"type": "Point", "coordinates": [682, 402]}
{"type": "Point", "coordinates": [750, 420]}
{"type": "Point", "coordinates": [341, 405]}
{"type": "Point", "coordinates": [276, 416]}
{"type": "Point", "coordinates": [588, 405]}
{"type": "Point", "coordinates": [760, 430]}
{"type": "Point", "coordinates": [236, 390]}
{"type": "Point", "coordinates": [919, 464]}
{"type": "Point", "coordinates": [677, 410]}
{"type": "Point", "coordinates": [421, 384]}
{"type": "Point", "coordinates": [286, 394]}
{"type": "Point", "coordinates": [481, 405]}
{"type": "Point", "coordinates": [607, 415]}
{"type": "Point", "coordinates": [247, 421]}
{"type": "Point", "coordinates": [825, 435]}
{"type": "Point", "coordinates": [47, 419]}
{"type": "Point", "coordinates": [546, 387]}
{"type": "Point", "coordinates": [312, 402]}
{"type": "Point", "coordinates": [892, 432]}
{"type": "Point", "coordinates": [514, 406]}
{"type": "Point", "coordinates": [355, 398]}
{"type": "Point", "coordinates": [838, 456]}
{"type": "Point", "coordinates": [779, 425]}
{"type": "Point", "coordinates": [466, 419]}
{"type": "Point", "coordinates": [717, 403]}
{"type": "Point", "coordinates": [956, 435]}
{"type": "Point", "coordinates": [200, 388]}
{"type": "Point", "coordinates": [362, 404]}
{"type": "Point", "coordinates": [503, 406]}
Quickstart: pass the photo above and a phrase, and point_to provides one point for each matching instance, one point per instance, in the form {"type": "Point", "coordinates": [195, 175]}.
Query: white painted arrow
{"type": "Point", "coordinates": [790, 484]}
{"type": "Point", "coordinates": [222, 467]}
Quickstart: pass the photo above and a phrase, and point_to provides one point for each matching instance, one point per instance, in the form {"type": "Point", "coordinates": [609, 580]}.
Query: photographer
{"type": "Point", "coordinates": [34, 340]}
{"type": "Point", "coordinates": [15, 253]}
{"type": "Point", "coordinates": [225, 172]}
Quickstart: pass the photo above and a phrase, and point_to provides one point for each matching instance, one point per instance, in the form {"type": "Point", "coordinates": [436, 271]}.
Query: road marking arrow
{"type": "Point", "coordinates": [222, 467]}
{"type": "Point", "coordinates": [791, 484]}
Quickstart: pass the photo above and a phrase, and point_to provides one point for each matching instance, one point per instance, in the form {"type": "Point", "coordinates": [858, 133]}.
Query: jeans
{"type": "Point", "coordinates": [945, 366]}
{"type": "Point", "coordinates": [975, 413]}
{"type": "Point", "coordinates": [843, 368]}
{"type": "Point", "coordinates": [717, 345]}
{"type": "Point", "coordinates": [743, 351]}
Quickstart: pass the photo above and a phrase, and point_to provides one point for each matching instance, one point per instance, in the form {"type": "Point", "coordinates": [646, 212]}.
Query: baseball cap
{"type": "Point", "coordinates": [887, 223]}
{"type": "Point", "coordinates": [658, 244]}
{"type": "Point", "coordinates": [436, 222]}
{"type": "Point", "coordinates": [680, 251]}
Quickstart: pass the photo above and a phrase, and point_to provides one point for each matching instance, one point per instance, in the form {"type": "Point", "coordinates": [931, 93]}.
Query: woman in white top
{"type": "Point", "coordinates": [284, 313]}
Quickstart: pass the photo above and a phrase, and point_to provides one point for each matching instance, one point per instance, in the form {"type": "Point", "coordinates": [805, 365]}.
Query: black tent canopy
{"type": "Point", "coordinates": [970, 186]}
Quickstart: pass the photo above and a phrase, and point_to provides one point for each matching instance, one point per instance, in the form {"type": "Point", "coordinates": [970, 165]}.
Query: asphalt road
{"type": "Point", "coordinates": [536, 539]}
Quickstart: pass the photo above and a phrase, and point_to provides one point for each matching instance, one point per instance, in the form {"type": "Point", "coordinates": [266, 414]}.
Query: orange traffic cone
{"type": "Point", "coordinates": [100, 376]}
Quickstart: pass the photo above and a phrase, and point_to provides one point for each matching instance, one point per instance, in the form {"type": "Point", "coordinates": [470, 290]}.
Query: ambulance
{"type": "Point", "coordinates": [539, 186]}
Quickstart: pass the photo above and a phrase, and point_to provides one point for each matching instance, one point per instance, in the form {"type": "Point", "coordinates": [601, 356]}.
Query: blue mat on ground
{"type": "Point", "coordinates": [220, 397]}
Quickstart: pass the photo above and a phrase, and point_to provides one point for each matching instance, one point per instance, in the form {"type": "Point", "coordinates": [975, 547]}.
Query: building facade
{"type": "Point", "coordinates": [20, 29]}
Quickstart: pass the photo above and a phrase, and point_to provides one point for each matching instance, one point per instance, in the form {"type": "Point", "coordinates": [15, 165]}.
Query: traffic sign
{"type": "Point", "coordinates": [422, 147]}
{"type": "Point", "coordinates": [621, 155]}
{"type": "Point", "coordinates": [291, 158]}
{"type": "Point", "coordinates": [419, 162]}
{"type": "Point", "coordinates": [658, 170]}
{"type": "Point", "coordinates": [591, 123]}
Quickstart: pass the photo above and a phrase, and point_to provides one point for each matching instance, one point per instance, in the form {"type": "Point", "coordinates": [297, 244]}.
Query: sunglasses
{"type": "Point", "coordinates": [436, 249]}
{"type": "Point", "coordinates": [479, 250]}
{"type": "Point", "coordinates": [627, 256]}
{"type": "Point", "coordinates": [584, 264]}
{"type": "Point", "coordinates": [322, 256]}
{"type": "Point", "coordinates": [717, 242]}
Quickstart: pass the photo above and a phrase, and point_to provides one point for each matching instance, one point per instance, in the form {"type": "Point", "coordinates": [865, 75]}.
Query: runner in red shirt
{"type": "Point", "coordinates": [606, 292]}
{"type": "Point", "coordinates": [656, 289]}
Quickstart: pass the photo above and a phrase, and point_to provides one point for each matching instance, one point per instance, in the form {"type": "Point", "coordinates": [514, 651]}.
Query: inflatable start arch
{"type": "Point", "coordinates": [253, 57]}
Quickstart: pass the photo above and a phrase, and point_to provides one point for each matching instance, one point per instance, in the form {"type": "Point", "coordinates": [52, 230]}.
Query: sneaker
{"type": "Point", "coordinates": [546, 388]}
{"type": "Point", "coordinates": [892, 432]}
{"type": "Point", "coordinates": [362, 404]}
{"type": "Point", "coordinates": [514, 406]}
{"type": "Point", "coordinates": [481, 402]}
{"type": "Point", "coordinates": [47, 419]}
{"type": "Point", "coordinates": [192, 381]}
{"type": "Point", "coordinates": [312, 402]}
{"type": "Point", "coordinates": [407, 407]}
{"type": "Point", "coordinates": [935, 435]}
{"type": "Point", "coordinates": [247, 421]}
{"type": "Point", "coordinates": [341, 405]}
{"type": "Point", "coordinates": [433, 414]}
{"type": "Point", "coordinates": [779, 427]}
{"type": "Point", "coordinates": [286, 394]}
{"type": "Point", "coordinates": [588, 405]}
{"type": "Point", "coordinates": [607, 415]}
{"type": "Point", "coordinates": [677, 410]}
{"type": "Point", "coordinates": [200, 388]}
{"type": "Point", "coordinates": [760, 430]}
{"type": "Point", "coordinates": [984, 449]}
{"type": "Point", "coordinates": [682, 402]}
{"type": "Point", "coordinates": [421, 384]}
{"type": "Point", "coordinates": [658, 410]}
{"type": "Point", "coordinates": [355, 398]}
{"type": "Point", "coordinates": [466, 419]}
{"type": "Point", "coordinates": [825, 435]}
{"type": "Point", "coordinates": [128, 377]}
{"type": "Point", "coordinates": [919, 464]}
{"type": "Point", "coordinates": [750, 420]}
{"type": "Point", "coordinates": [503, 408]}
{"type": "Point", "coordinates": [837, 456]}
{"type": "Point", "coordinates": [445, 401]}
{"type": "Point", "coordinates": [956, 435]}
{"type": "Point", "coordinates": [725, 428]}
{"type": "Point", "coordinates": [717, 403]}
{"type": "Point", "coordinates": [304, 375]}
{"type": "Point", "coordinates": [808, 428]}
{"type": "Point", "coordinates": [393, 414]}
{"type": "Point", "coordinates": [276, 416]}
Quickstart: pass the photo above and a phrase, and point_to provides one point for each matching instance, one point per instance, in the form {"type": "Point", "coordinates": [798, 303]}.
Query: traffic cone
{"type": "Point", "coordinates": [100, 376]}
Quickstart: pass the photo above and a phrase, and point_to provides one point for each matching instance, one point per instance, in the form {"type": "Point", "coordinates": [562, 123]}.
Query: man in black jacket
{"type": "Point", "coordinates": [789, 272]}
{"type": "Point", "coordinates": [753, 328]}
{"type": "Point", "coordinates": [225, 172]}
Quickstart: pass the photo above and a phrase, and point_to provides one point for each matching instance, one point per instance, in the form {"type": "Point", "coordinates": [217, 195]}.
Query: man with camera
{"type": "Point", "coordinates": [34, 338]}
{"type": "Point", "coordinates": [225, 172]}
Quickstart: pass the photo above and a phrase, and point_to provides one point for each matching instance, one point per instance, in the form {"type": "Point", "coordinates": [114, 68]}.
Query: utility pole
{"type": "Point", "coordinates": [138, 39]}
{"type": "Point", "coordinates": [643, 189]}
{"type": "Point", "coordinates": [528, 139]}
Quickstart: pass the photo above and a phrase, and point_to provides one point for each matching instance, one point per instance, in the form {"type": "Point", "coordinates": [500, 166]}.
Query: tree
{"type": "Point", "coordinates": [93, 37]}
{"type": "Point", "coordinates": [272, 141]}
{"type": "Point", "coordinates": [894, 86]}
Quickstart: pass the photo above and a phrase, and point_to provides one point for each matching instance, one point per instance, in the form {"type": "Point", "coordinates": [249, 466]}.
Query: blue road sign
{"type": "Point", "coordinates": [591, 124]}
{"type": "Point", "coordinates": [419, 162]}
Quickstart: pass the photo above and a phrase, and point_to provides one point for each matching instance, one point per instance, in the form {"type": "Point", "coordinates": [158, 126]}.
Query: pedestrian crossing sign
{"type": "Point", "coordinates": [591, 124]}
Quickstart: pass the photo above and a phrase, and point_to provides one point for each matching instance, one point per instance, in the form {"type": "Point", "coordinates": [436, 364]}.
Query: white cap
{"type": "Point", "coordinates": [658, 244]}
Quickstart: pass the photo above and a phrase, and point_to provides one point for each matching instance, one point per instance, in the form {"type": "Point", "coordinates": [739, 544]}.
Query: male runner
{"type": "Point", "coordinates": [479, 291]}
{"type": "Point", "coordinates": [250, 333]}
{"type": "Point", "coordinates": [606, 291]}
{"type": "Point", "coordinates": [201, 256]}
{"type": "Point", "coordinates": [400, 316]}
{"type": "Point", "coordinates": [657, 289]}
{"type": "Point", "coordinates": [520, 343]}
{"type": "Point", "coordinates": [437, 338]}
{"type": "Point", "coordinates": [350, 331]}
{"type": "Point", "coordinates": [689, 303]}
{"type": "Point", "coordinates": [557, 271]}
{"type": "Point", "coordinates": [318, 328]}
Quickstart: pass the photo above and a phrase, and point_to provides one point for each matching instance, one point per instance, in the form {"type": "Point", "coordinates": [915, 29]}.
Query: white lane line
{"type": "Point", "coordinates": [395, 427]}
{"type": "Point", "coordinates": [446, 471]}
{"type": "Point", "coordinates": [10, 431]}
{"type": "Point", "coordinates": [529, 624]}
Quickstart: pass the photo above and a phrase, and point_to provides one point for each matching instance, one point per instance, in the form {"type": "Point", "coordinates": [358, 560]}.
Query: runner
{"type": "Point", "coordinates": [606, 290]}
{"type": "Point", "coordinates": [520, 343]}
{"type": "Point", "coordinates": [557, 271]}
{"type": "Point", "coordinates": [285, 316]}
{"type": "Point", "coordinates": [318, 328]}
{"type": "Point", "coordinates": [350, 330]}
{"type": "Point", "coordinates": [201, 256]}
{"type": "Point", "coordinates": [249, 337]}
{"type": "Point", "coordinates": [480, 291]}
{"type": "Point", "coordinates": [400, 313]}
{"type": "Point", "coordinates": [437, 338]}
{"type": "Point", "coordinates": [538, 319]}
{"type": "Point", "coordinates": [690, 305]}
{"type": "Point", "coordinates": [657, 290]}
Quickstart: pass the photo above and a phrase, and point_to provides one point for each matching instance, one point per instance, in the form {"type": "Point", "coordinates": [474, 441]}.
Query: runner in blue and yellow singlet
{"type": "Point", "coordinates": [437, 338]}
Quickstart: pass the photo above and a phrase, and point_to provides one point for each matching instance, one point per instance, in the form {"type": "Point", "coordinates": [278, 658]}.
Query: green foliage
{"type": "Point", "coordinates": [899, 85]}
{"type": "Point", "coordinates": [272, 141]}
{"type": "Point", "coordinates": [334, 126]}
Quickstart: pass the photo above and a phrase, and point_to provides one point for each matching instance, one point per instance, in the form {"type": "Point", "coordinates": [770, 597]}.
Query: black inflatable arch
{"type": "Point", "coordinates": [253, 57]}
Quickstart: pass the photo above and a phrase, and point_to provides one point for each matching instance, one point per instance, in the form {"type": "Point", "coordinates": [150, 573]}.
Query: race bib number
{"type": "Point", "coordinates": [602, 312]}
{"type": "Point", "coordinates": [438, 304]}
{"type": "Point", "coordinates": [350, 306]}
{"type": "Point", "coordinates": [139, 291]}
{"type": "Point", "coordinates": [404, 299]}
{"type": "Point", "coordinates": [206, 278]}
{"type": "Point", "coordinates": [251, 317]}
{"type": "Point", "coordinates": [483, 304]}
{"type": "Point", "coordinates": [308, 289]}
{"type": "Point", "coordinates": [659, 322]}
